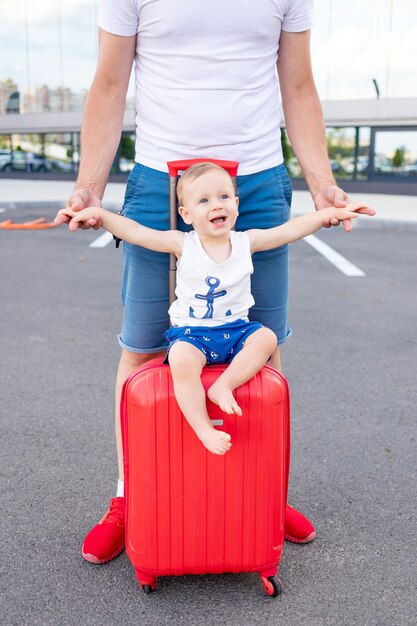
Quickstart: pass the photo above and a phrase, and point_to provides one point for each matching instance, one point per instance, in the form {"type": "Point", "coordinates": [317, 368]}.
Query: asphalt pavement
{"type": "Point", "coordinates": [351, 366]}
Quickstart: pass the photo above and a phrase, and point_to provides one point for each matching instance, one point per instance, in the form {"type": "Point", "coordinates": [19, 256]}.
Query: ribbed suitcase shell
{"type": "Point", "coordinates": [192, 512]}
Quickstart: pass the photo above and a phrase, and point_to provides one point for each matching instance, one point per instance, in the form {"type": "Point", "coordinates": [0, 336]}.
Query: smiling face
{"type": "Point", "coordinates": [209, 203]}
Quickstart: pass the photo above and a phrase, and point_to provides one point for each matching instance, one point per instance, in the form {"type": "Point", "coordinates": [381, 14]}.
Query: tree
{"type": "Point", "coordinates": [398, 158]}
{"type": "Point", "coordinates": [287, 151]}
{"type": "Point", "coordinates": [127, 148]}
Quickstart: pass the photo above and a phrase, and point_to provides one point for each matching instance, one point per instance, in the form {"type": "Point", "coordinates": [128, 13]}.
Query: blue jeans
{"type": "Point", "coordinates": [264, 202]}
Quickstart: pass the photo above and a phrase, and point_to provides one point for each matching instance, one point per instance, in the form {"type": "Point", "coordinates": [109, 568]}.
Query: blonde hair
{"type": "Point", "coordinates": [195, 171]}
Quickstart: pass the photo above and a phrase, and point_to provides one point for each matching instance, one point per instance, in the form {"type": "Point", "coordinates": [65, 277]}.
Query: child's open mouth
{"type": "Point", "coordinates": [218, 220]}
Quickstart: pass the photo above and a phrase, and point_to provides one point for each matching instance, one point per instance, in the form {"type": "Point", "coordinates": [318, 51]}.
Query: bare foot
{"type": "Point", "coordinates": [223, 397]}
{"type": "Point", "coordinates": [216, 441]}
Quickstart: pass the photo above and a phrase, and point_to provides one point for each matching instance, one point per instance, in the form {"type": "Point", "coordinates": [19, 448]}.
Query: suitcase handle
{"type": "Point", "coordinates": [174, 167]}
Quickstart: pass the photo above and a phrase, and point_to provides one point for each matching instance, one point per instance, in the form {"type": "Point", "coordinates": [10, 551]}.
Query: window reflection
{"type": "Point", "coordinates": [60, 154]}
{"type": "Point", "coordinates": [39, 152]}
{"type": "Point", "coordinates": [127, 152]}
{"type": "Point", "coordinates": [363, 151]}
{"type": "Point", "coordinates": [347, 148]}
{"type": "Point", "coordinates": [48, 54]}
{"type": "Point", "coordinates": [341, 151]}
{"type": "Point", "coordinates": [22, 153]}
{"type": "Point", "coordinates": [395, 153]}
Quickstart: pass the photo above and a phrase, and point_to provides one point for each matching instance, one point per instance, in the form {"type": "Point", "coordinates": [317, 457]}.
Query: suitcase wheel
{"type": "Point", "coordinates": [147, 583]}
{"type": "Point", "coordinates": [272, 586]}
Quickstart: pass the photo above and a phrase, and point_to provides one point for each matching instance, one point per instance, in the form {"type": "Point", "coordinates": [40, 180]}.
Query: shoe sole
{"type": "Point", "coordinates": [93, 559]}
{"type": "Point", "coordinates": [310, 537]}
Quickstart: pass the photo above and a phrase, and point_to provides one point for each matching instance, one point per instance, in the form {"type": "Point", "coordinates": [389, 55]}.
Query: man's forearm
{"type": "Point", "coordinates": [100, 136]}
{"type": "Point", "coordinates": [306, 131]}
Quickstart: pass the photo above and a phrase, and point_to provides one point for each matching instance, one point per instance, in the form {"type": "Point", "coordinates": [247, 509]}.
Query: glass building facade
{"type": "Point", "coordinates": [362, 50]}
{"type": "Point", "coordinates": [48, 52]}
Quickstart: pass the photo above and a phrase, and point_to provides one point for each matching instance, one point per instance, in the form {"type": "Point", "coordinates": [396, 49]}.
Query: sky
{"type": "Point", "coordinates": [357, 40]}
{"type": "Point", "coordinates": [353, 41]}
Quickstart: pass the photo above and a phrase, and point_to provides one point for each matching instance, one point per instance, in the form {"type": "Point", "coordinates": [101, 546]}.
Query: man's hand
{"type": "Point", "coordinates": [333, 196]}
{"type": "Point", "coordinates": [78, 200]}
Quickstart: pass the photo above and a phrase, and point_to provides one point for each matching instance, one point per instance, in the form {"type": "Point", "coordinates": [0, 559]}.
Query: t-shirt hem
{"type": "Point", "coordinates": [242, 171]}
{"type": "Point", "coordinates": [296, 29]}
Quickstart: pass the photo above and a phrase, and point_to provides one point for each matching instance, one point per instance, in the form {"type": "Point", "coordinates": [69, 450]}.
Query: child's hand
{"type": "Point", "coordinates": [333, 196]}
{"type": "Point", "coordinates": [80, 198]}
{"type": "Point", "coordinates": [334, 215]}
{"type": "Point", "coordinates": [86, 218]}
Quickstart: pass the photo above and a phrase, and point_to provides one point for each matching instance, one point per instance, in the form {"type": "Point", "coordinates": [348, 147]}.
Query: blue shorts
{"type": "Point", "coordinates": [219, 344]}
{"type": "Point", "coordinates": [264, 202]}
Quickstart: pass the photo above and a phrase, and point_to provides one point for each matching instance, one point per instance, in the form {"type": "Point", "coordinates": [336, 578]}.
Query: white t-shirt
{"type": "Point", "coordinates": [206, 84]}
{"type": "Point", "coordinates": [210, 293]}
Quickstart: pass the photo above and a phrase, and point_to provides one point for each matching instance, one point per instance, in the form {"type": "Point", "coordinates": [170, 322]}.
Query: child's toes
{"type": "Point", "coordinates": [224, 443]}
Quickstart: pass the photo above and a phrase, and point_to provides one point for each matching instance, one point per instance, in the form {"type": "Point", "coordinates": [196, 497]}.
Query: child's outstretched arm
{"type": "Point", "coordinates": [300, 227]}
{"type": "Point", "coordinates": [127, 229]}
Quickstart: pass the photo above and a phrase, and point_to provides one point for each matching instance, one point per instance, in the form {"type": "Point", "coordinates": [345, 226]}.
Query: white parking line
{"type": "Point", "coordinates": [339, 261]}
{"type": "Point", "coordinates": [102, 241]}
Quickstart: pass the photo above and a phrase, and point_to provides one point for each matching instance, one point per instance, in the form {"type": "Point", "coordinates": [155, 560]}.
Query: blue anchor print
{"type": "Point", "coordinates": [210, 296]}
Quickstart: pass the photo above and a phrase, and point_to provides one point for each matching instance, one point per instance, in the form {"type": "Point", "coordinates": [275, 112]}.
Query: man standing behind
{"type": "Point", "coordinates": [30, 161]}
{"type": "Point", "coordinates": [206, 86]}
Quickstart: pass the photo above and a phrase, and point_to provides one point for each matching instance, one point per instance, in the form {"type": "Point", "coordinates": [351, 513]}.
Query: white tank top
{"type": "Point", "coordinates": [210, 293]}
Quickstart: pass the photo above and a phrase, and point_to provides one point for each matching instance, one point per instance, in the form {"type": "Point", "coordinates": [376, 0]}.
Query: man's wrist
{"type": "Point", "coordinates": [316, 190]}
{"type": "Point", "coordinates": [317, 183]}
{"type": "Point", "coordinates": [94, 187]}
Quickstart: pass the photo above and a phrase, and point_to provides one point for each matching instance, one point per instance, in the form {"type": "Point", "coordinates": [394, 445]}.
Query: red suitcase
{"type": "Point", "coordinates": [189, 511]}
{"type": "Point", "coordinates": [192, 512]}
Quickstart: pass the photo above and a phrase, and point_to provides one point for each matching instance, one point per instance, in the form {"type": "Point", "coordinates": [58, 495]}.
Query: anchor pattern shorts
{"type": "Point", "coordinates": [219, 344]}
{"type": "Point", "coordinates": [264, 202]}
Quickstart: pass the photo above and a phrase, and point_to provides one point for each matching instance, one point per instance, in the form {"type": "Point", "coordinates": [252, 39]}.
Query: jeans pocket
{"type": "Point", "coordinates": [287, 186]}
{"type": "Point", "coordinates": [133, 187]}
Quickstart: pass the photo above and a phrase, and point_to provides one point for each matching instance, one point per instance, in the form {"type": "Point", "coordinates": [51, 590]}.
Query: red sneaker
{"type": "Point", "coordinates": [297, 528]}
{"type": "Point", "coordinates": [106, 540]}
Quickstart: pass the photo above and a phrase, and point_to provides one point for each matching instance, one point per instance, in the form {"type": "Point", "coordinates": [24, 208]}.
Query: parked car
{"type": "Point", "coordinates": [18, 161]}
{"type": "Point", "coordinates": [410, 168]}
{"type": "Point", "coordinates": [59, 166]}
{"type": "Point", "coordinates": [382, 164]}
{"type": "Point", "coordinates": [361, 165]}
{"type": "Point", "coordinates": [4, 158]}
